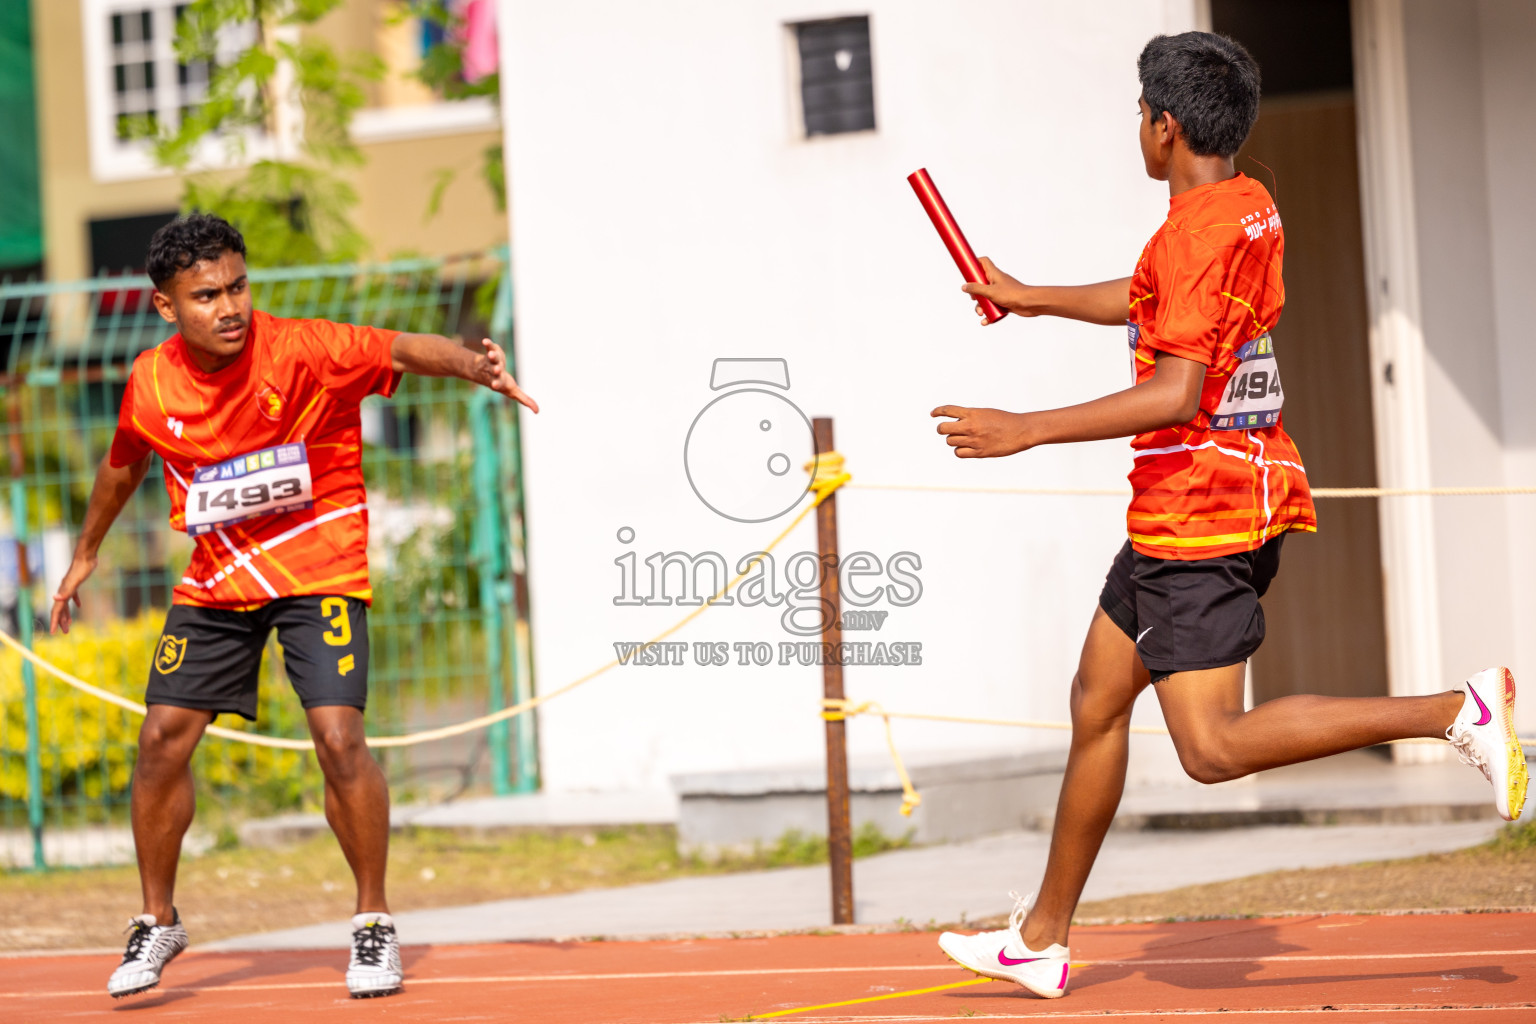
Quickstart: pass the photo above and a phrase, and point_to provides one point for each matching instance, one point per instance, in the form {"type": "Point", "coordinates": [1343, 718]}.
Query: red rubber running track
{"type": "Point", "coordinates": [1452, 968]}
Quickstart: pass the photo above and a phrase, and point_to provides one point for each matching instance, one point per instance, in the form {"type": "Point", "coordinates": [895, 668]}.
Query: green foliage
{"type": "Point", "coordinates": [296, 208]}
{"type": "Point", "coordinates": [796, 849]}
{"type": "Point", "coordinates": [421, 575]}
{"type": "Point", "coordinates": [442, 69]}
{"type": "Point", "coordinates": [88, 746]}
{"type": "Point", "coordinates": [1516, 837]}
{"type": "Point", "coordinates": [291, 214]}
{"type": "Point", "coordinates": [494, 169]}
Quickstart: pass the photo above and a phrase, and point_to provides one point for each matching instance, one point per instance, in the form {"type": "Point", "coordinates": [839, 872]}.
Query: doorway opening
{"type": "Point", "coordinates": [1325, 611]}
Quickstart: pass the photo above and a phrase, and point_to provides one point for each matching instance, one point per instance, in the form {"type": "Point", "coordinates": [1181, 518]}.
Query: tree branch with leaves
{"type": "Point", "coordinates": [442, 69]}
{"type": "Point", "coordinates": [299, 95]}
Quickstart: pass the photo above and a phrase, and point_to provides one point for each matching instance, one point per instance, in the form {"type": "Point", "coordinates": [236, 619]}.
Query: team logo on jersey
{"type": "Point", "coordinates": [169, 654]}
{"type": "Point", "coordinates": [271, 402]}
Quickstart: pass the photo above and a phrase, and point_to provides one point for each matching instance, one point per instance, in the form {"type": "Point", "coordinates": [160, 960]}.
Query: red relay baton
{"type": "Point", "coordinates": [954, 239]}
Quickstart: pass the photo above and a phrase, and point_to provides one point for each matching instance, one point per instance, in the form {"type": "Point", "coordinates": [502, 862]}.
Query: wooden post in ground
{"type": "Point", "coordinates": [839, 824]}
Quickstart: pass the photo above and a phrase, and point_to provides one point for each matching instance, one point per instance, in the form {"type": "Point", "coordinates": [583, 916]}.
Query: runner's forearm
{"type": "Point", "coordinates": [1107, 302]}
{"type": "Point", "coordinates": [1171, 397]}
{"type": "Point", "coordinates": [432, 355]}
{"type": "Point", "coordinates": [113, 487]}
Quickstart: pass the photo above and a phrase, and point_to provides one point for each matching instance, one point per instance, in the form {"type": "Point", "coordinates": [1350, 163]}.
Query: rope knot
{"type": "Point", "coordinates": [835, 709]}
{"type": "Point", "coordinates": [827, 474]}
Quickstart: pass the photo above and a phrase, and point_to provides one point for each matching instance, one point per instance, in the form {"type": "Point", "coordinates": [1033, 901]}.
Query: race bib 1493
{"type": "Point", "coordinates": [1253, 396]}
{"type": "Point", "coordinates": [261, 483]}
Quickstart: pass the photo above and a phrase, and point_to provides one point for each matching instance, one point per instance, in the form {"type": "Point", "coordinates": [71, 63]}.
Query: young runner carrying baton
{"type": "Point", "coordinates": [1216, 485]}
{"type": "Point", "coordinates": [256, 419]}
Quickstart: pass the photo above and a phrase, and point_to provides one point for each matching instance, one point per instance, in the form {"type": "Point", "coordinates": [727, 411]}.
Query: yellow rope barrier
{"type": "Point", "coordinates": [1415, 492]}
{"type": "Point", "coordinates": [827, 476]}
{"type": "Point", "coordinates": [839, 710]}
{"type": "Point", "coordinates": [848, 707]}
{"type": "Point", "coordinates": [1121, 492]}
{"type": "Point", "coordinates": [836, 710]}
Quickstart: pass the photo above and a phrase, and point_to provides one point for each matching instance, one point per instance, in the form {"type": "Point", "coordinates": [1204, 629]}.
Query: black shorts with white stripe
{"type": "Point", "coordinates": [1189, 615]}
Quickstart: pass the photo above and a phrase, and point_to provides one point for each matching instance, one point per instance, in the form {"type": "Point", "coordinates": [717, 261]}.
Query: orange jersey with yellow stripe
{"type": "Point", "coordinates": [263, 459]}
{"type": "Point", "coordinates": [1208, 288]}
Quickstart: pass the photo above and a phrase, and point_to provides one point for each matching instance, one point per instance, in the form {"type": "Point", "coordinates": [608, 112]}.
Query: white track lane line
{"type": "Point", "coordinates": [1103, 1015]}
{"type": "Point", "coordinates": [510, 979]}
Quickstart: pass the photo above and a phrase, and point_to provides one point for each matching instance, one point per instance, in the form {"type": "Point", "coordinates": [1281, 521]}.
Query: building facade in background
{"type": "Point", "coordinates": [99, 62]}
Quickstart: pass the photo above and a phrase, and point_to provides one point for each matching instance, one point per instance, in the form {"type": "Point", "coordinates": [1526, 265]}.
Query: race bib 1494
{"type": "Point", "coordinates": [261, 483]}
{"type": "Point", "coordinates": [1253, 396]}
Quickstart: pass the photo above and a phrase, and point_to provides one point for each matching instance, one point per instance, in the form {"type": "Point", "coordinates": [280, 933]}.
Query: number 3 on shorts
{"type": "Point", "coordinates": [334, 611]}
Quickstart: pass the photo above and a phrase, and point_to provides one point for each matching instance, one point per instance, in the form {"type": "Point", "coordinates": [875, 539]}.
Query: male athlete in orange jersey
{"type": "Point", "coordinates": [1216, 485]}
{"type": "Point", "coordinates": [256, 419]}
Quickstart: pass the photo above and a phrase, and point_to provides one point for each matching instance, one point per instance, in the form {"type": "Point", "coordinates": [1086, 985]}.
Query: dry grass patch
{"type": "Point", "coordinates": [1500, 874]}
{"type": "Point", "coordinates": [243, 890]}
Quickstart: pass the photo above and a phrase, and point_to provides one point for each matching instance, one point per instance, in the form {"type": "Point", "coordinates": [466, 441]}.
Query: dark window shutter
{"type": "Point", "coordinates": [837, 91]}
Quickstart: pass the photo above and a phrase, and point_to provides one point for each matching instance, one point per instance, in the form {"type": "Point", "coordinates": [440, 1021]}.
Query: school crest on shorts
{"type": "Point", "coordinates": [271, 402]}
{"type": "Point", "coordinates": [169, 654]}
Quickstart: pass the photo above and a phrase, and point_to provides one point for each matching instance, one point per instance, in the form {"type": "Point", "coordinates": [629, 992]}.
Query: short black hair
{"type": "Point", "coordinates": [186, 242]}
{"type": "Point", "coordinates": [1208, 82]}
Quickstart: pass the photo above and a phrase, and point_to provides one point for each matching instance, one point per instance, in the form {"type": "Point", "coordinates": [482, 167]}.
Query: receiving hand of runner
{"type": "Point", "coordinates": [984, 433]}
{"type": "Point", "coordinates": [491, 371]}
{"type": "Point", "coordinates": [69, 590]}
{"type": "Point", "coordinates": [1004, 290]}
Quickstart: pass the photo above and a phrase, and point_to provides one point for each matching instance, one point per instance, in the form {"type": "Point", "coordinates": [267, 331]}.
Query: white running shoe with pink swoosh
{"type": "Point", "coordinates": [1003, 955]}
{"type": "Point", "coordinates": [1484, 737]}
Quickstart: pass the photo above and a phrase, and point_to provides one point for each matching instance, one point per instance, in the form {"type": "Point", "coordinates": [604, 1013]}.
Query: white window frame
{"type": "Point", "coordinates": [445, 117]}
{"type": "Point", "coordinates": [795, 112]}
{"type": "Point", "coordinates": [113, 159]}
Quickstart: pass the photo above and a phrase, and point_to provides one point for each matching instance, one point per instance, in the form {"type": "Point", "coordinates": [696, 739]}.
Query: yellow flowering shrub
{"type": "Point", "coordinates": [88, 746]}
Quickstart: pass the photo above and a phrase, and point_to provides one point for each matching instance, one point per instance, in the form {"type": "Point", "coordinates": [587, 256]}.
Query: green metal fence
{"type": "Point", "coordinates": [447, 630]}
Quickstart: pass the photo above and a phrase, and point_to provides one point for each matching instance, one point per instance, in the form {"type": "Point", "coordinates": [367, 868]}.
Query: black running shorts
{"type": "Point", "coordinates": [210, 658]}
{"type": "Point", "coordinates": [1186, 616]}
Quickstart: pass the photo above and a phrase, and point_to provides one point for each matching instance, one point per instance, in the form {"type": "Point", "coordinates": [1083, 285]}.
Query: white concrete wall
{"type": "Point", "coordinates": [1508, 33]}
{"type": "Point", "coordinates": [1445, 96]}
{"type": "Point", "coordinates": [664, 216]}
{"type": "Point", "coordinates": [1470, 83]}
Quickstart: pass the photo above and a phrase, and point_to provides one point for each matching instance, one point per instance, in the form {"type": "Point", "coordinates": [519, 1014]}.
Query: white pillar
{"type": "Point", "coordinates": [1398, 356]}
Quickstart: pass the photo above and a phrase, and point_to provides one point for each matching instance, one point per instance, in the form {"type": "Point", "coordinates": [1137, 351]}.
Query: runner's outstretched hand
{"type": "Point", "coordinates": [491, 371]}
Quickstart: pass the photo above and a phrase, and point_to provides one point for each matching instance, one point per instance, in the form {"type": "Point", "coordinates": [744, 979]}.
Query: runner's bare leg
{"type": "Point", "coordinates": [356, 799]}
{"type": "Point", "coordinates": [163, 800]}
{"type": "Point", "coordinates": [1109, 677]}
{"type": "Point", "coordinates": [1217, 740]}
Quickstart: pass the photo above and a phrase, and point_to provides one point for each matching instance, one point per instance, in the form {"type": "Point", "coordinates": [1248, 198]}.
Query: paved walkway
{"type": "Point", "coordinates": [933, 884]}
{"type": "Point", "coordinates": [1356, 788]}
